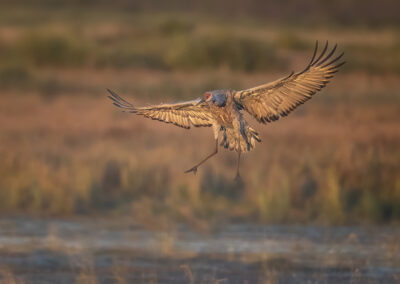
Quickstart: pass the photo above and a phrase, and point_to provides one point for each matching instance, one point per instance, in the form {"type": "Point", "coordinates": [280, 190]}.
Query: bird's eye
{"type": "Point", "coordinates": [207, 96]}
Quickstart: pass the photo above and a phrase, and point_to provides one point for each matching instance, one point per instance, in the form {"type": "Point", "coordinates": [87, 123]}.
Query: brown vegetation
{"type": "Point", "coordinates": [330, 162]}
{"type": "Point", "coordinates": [65, 150]}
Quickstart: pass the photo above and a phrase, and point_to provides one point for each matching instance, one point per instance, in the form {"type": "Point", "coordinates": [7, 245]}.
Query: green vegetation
{"type": "Point", "coordinates": [51, 50]}
{"type": "Point", "coordinates": [224, 51]}
{"type": "Point", "coordinates": [15, 76]}
{"type": "Point", "coordinates": [47, 49]}
{"type": "Point", "coordinates": [177, 42]}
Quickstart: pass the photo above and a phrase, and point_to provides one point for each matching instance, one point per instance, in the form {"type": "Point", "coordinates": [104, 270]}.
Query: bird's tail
{"type": "Point", "coordinates": [243, 141]}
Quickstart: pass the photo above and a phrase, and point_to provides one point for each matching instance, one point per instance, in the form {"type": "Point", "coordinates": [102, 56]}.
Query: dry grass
{"type": "Point", "coordinates": [7, 277]}
{"type": "Point", "coordinates": [64, 150]}
{"type": "Point", "coordinates": [328, 163]}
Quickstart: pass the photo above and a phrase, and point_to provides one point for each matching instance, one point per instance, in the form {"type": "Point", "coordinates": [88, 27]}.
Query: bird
{"type": "Point", "coordinates": [223, 109]}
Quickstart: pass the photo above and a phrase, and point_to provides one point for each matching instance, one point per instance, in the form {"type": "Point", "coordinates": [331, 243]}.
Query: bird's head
{"type": "Point", "coordinates": [217, 97]}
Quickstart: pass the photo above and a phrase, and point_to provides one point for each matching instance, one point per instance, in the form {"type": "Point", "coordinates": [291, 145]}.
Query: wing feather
{"type": "Point", "coordinates": [182, 114]}
{"type": "Point", "coordinates": [270, 101]}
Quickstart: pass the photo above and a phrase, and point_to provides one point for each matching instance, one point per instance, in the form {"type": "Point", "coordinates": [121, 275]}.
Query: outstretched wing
{"type": "Point", "coordinates": [270, 101]}
{"type": "Point", "coordinates": [183, 114]}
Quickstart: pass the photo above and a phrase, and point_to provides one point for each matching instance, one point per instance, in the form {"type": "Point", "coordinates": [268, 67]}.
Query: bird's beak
{"type": "Point", "coordinates": [200, 102]}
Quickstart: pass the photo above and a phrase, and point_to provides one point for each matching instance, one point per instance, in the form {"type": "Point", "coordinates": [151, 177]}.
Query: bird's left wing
{"type": "Point", "coordinates": [270, 101]}
{"type": "Point", "coordinates": [182, 114]}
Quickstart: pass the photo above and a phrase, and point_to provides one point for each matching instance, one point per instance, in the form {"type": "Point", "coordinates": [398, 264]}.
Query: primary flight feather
{"type": "Point", "coordinates": [221, 109]}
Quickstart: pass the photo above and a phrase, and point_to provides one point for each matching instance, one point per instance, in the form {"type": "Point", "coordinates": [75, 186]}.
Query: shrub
{"type": "Point", "coordinates": [125, 58]}
{"type": "Point", "coordinates": [219, 51]}
{"type": "Point", "coordinates": [52, 50]}
{"type": "Point", "coordinates": [172, 26]}
{"type": "Point", "coordinates": [14, 75]}
{"type": "Point", "coordinates": [291, 41]}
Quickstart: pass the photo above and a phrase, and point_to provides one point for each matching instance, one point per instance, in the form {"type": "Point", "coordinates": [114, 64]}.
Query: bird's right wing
{"type": "Point", "coordinates": [182, 114]}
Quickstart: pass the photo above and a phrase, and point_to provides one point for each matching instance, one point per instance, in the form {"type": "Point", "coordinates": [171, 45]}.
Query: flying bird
{"type": "Point", "coordinates": [222, 109]}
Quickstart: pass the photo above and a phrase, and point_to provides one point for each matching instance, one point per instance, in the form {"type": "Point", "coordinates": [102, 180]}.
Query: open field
{"type": "Point", "coordinates": [335, 160]}
{"type": "Point", "coordinates": [65, 150]}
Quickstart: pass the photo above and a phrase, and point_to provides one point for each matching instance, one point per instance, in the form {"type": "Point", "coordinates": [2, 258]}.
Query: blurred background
{"type": "Point", "coordinates": [66, 152]}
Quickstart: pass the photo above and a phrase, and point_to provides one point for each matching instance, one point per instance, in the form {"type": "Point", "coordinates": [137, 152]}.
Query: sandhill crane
{"type": "Point", "coordinates": [221, 109]}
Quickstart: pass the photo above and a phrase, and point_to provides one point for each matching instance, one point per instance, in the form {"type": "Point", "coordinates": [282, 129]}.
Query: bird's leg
{"type": "Point", "coordinates": [237, 169]}
{"type": "Point", "coordinates": [194, 169]}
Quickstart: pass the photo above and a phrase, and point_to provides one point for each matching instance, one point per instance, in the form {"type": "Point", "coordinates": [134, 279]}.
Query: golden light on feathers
{"type": "Point", "coordinates": [221, 109]}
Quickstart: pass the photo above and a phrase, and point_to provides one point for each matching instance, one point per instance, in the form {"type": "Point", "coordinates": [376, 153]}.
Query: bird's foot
{"type": "Point", "coordinates": [238, 178]}
{"type": "Point", "coordinates": [194, 170]}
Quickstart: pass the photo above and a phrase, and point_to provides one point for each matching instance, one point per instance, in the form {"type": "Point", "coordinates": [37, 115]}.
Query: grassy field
{"type": "Point", "coordinates": [64, 150]}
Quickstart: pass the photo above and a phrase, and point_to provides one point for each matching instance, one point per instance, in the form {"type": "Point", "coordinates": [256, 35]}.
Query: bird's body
{"type": "Point", "coordinates": [236, 134]}
{"type": "Point", "coordinates": [222, 109]}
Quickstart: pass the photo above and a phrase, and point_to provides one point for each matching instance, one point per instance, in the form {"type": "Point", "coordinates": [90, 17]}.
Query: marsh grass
{"type": "Point", "coordinates": [225, 50]}
{"type": "Point", "coordinates": [15, 76]}
{"type": "Point", "coordinates": [57, 50]}
{"type": "Point", "coordinates": [64, 150]}
{"type": "Point", "coordinates": [83, 263]}
{"type": "Point", "coordinates": [173, 41]}
{"type": "Point", "coordinates": [7, 277]}
{"type": "Point", "coordinates": [116, 165]}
